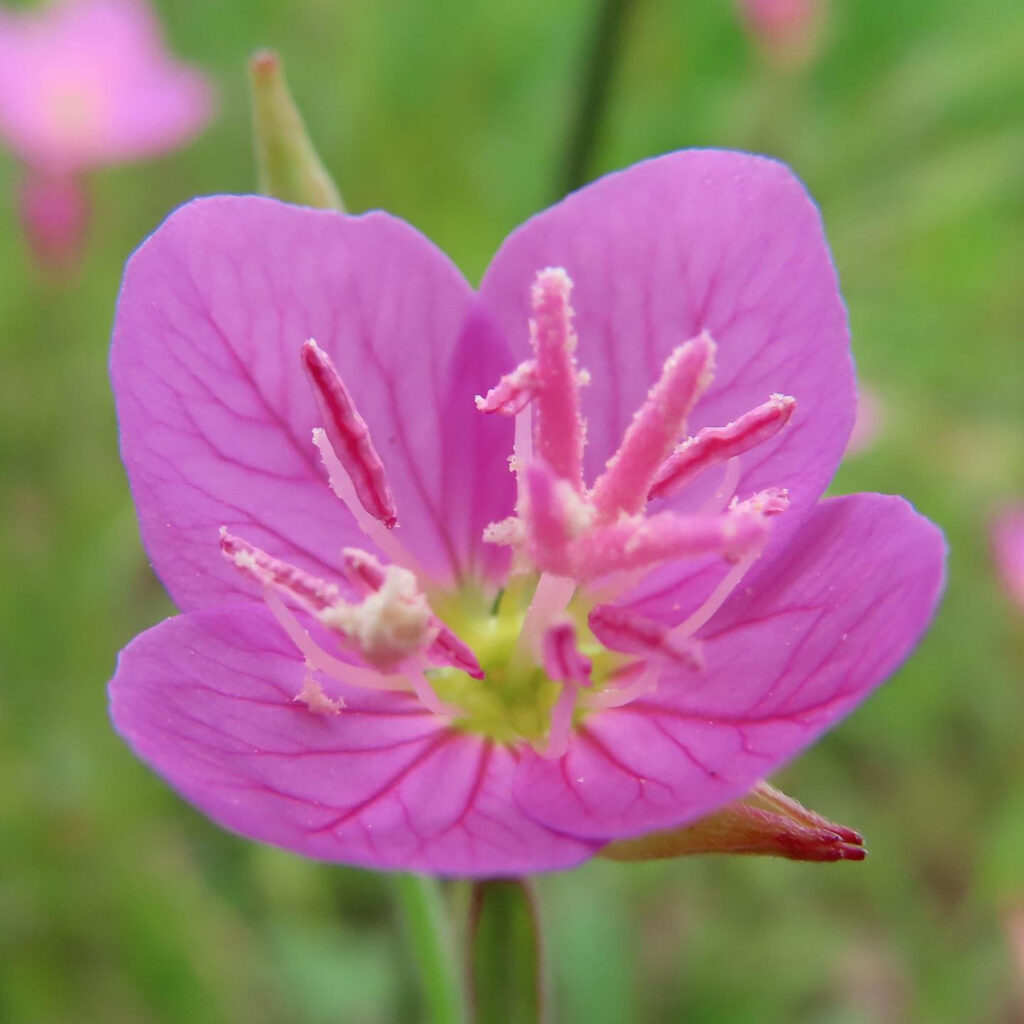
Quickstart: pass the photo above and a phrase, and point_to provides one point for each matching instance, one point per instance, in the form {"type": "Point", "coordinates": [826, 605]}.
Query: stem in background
{"type": "Point", "coordinates": [428, 933]}
{"type": "Point", "coordinates": [505, 954]}
{"type": "Point", "coordinates": [606, 36]}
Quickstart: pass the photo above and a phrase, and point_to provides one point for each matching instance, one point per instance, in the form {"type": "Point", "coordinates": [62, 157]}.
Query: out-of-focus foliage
{"type": "Point", "coordinates": [119, 904]}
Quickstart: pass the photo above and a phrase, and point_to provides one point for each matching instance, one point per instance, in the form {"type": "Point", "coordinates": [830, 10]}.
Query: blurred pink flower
{"type": "Point", "coordinates": [84, 84]}
{"type": "Point", "coordinates": [650, 614]}
{"type": "Point", "coordinates": [1007, 536]}
{"type": "Point", "coordinates": [786, 31]}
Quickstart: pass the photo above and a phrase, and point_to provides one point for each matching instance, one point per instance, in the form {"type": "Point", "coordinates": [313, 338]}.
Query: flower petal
{"type": "Point", "coordinates": [697, 240]}
{"type": "Point", "coordinates": [216, 414]}
{"type": "Point", "coordinates": [206, 700]}
{"type": "Point", "coordinates": [799, 645]}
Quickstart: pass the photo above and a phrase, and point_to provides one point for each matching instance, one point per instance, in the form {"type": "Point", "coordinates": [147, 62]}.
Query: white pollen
{"type": "Point", "coordinates": [245, 560]}
{"type": "Point", "coordinates": [509, 532]}
{"type": "Point", "coordinates": [388, 625]}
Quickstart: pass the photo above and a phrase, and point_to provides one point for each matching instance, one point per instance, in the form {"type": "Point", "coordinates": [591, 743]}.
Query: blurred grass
{"type": "Point", "coordinates": [120, 904]}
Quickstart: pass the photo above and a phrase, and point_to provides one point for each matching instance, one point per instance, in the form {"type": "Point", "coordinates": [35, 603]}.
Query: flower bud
{"type": "Point", "coordinates": [288, 165]}
{"type": "Point", "coordinates": [765, 821]}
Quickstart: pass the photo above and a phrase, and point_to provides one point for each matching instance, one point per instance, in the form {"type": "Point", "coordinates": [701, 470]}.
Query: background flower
{"type": "Point", "coordinates": [86, 84]}
{"type": "Point", "coordinates": [1008, 551]}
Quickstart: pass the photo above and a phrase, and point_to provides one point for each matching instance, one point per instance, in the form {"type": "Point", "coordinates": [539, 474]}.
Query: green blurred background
{"type": "Point", "coordinates": [118, 903]}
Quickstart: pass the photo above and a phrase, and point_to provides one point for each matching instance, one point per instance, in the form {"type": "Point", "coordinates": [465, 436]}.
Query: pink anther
{"type": "Point", "coordinates": [558, 430]}
{"type": "Point", "coordinates": [362, 570]}
{"type": "Point", "coordinates": [311, 592]}
{"type": "Point", "coordinates": [623, 486]}
{"type": "Point", "coordinates": [635, 542]}
{"type": "Point", "coordinates": [713, 445]}
{"type": "Point", "coordinates": [620, 629]}
{"type": "Point", "coordinates": [561, 656]}
{"type": "Point", "coordinates": [349, 435]}
{"type": "Point", "coordinates": [367, 574]}
{"type": "Point", "coordinates": [448, 649]}
{"type": "Point", "coordinates": [563, 662]}
{"type": "Point", "coordinates": [513, 392]}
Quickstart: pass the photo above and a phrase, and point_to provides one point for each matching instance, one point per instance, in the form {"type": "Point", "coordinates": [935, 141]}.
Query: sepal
{"type": "Point", "coordinates": [765, 822]}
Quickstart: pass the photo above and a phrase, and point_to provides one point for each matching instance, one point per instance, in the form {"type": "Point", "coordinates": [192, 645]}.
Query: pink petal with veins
{"type": "Point", "coordinates": [789, 654]}
{"type": "Point", "coordinates": [208, 698]}
{"type": "Point", "coordinates": [216, 422]}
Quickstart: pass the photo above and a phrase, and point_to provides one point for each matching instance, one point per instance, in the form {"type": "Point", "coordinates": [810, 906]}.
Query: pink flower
{"type": "Point", "coordinates": [1008, 550]}
{"type": "Point", "coordinates": [86, 83]}
{"type": "Point", "coordinates": [649, 615]}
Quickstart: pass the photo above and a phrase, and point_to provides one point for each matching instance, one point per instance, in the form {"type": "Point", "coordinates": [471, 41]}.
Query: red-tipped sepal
{"type": "Point", "coordinates": [765, 822]}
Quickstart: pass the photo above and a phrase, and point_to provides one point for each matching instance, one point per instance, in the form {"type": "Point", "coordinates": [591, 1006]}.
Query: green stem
{"type": "Point", "coordinates": [428, 932]}
{"type": "Point", "coordinates": [505, 954]}
{"type": "Point", "coordinates": [606, 37]}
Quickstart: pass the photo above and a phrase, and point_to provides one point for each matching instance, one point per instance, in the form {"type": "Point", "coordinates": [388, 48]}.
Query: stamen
{"type": "Point", "coordinates": [349, 435]}
{"type": "Point", "coordinates": [620, 629]}
{"type": "Point", "coordinates": [634, 542]}
{"type": "Point", "coordinates": [448, 649]}
{"type": "Point", "coordinates": [772, 501]}
{"type": "Point", "coordinates": [310, 591]}
{"type": "Point", "coordinates": [507, 532]}
{"type": "Point", "coordinates": [548, 518]}
{"type": "Point", "coordinates": [623, 486]}
{"type": "Point", "coordinates": [563, 662]}
{"type": "Point", "coordinates": [317, 658]}
{"type": "Point", "coordinates": [313, 696]}
{"type": "Point", "coordinates": [352, 675]}
{"type": "Point", "coordinates": [726, 586]}
{"type": "Point", "coordinates": [644, 678]}
{"type": "Point", "coordinates": [719, 501]}
{"type": "Point", "coordinates": [560, 727]}
{"type": "Point", "coordinates": [362, 570]}
{"type": "Point", "coordinates": [550, 598]}
{"type": "Point", "coordinates": [428, 698]}
{"type": "Point", "coordinates": [513, 392]}
{"type": "Point", "coordinates": [713, 445]}
{"type": "Point", "coordinates": [368, 575]}
{"type": "Point", "coordinates": [522, 454]}
{"type": "Point", "coordinates": [559, 433]}
{"type": "Point", "coordinates": [769, 502]}
{"type": "Point", "coordinates": [561, 656]}
{"type": "Point", "coordinates": [389, 625]}
{"type": "Point", "coordinates": [341, 484]}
